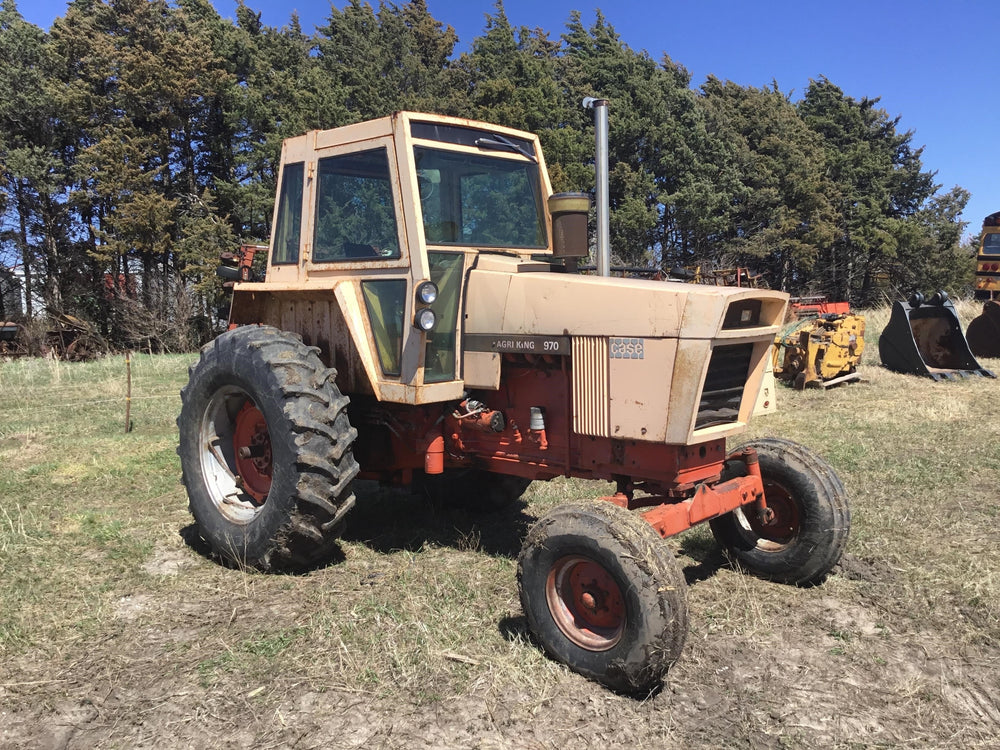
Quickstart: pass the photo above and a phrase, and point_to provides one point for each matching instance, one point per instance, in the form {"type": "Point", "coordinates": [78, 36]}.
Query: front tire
{"type": "Point", "coordinates": [604, 595]}
{"type": "Point", "coordinates": [265, 449]}
{"type": "Point", "coordinates": [812, 518]}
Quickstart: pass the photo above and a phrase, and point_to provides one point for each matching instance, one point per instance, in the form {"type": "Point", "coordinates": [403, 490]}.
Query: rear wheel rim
{"type": "Point", "coordinates": [237, 484]}
{"type": "Point", "coordinates": [586, 602]}
{"type": "Point", "coordinates": [252, 448]}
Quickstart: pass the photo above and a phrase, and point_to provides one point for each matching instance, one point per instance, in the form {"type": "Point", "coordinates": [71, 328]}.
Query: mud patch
{"type": "Point", "coordinates": [855, 568]}
{"type": "Point", "coordinates": [167, 561]}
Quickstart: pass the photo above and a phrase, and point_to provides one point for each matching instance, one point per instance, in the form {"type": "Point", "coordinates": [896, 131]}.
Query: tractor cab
{"type": "Point", "coordinates": [391, 215]}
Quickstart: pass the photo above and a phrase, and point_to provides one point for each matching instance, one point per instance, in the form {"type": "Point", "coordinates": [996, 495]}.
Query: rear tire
{"type": "Point", "coordinates": [812, 521]}
{"type": "Point", "coordinates": [604, 595]}
{"type": "Point", "coordinates": [261, 392]}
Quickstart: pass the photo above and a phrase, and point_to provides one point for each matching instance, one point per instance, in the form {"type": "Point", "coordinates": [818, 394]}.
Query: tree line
{"type": "Point", "coordinates": [139, 139]}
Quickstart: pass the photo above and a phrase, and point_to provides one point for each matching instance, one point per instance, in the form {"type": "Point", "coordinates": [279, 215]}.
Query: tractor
{"type": "Point", "coordinates": [420, 323]}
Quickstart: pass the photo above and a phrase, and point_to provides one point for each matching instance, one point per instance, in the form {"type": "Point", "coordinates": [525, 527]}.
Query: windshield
{"type": "Point", "coordinates": [991, 243]}
{"type": "Point", "coordinates": [480, 201]}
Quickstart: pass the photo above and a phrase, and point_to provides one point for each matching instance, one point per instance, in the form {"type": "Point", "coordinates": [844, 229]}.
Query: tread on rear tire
{"type": "Point", "coordinates": [280, 501]}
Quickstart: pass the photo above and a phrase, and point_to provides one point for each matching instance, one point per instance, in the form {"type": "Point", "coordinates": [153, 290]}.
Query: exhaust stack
{"type": "Point", "coordinates": [600, 107]}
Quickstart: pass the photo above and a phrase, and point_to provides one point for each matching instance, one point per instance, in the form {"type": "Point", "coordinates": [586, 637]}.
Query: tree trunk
{"type": "Point", "coordinates": [26, 258]}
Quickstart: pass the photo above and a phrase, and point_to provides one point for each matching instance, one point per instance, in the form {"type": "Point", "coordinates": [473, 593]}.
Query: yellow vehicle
{"type": "Point", "coordinates": [988, 259]}
{"type": "Point", "coordinates": [821, 347]}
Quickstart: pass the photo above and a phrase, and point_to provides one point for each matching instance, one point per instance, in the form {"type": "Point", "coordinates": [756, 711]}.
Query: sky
{"type": "Point", "coordinates": [932, 63]}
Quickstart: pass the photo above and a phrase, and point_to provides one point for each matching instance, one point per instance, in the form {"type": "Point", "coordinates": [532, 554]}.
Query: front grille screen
{"type": "Point", "coordinates": [724, 384]}
{"type": "Point", "coordinates": [742, 314]}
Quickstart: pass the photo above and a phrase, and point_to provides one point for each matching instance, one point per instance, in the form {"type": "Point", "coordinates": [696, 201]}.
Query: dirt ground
{"type": "Point", "coordinates": [765, 666]}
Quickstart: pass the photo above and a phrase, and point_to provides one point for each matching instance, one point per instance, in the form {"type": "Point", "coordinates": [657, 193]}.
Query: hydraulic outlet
{"type": "Point", "coordinates": [536, 427]}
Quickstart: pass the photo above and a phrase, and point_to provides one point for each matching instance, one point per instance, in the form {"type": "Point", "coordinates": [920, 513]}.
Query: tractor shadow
{"type": "Point", "coordinates": [391, 519]}
{"type": "Point", "coordinates": [399, 519]}
{"type": "Point", "coordinates": [700, 557]}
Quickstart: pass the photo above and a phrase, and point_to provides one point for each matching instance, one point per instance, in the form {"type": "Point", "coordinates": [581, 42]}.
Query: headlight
{"type": "Point", "coordinates": [427, 292]}
{"type": "Point", "coordinates": [425, 319]}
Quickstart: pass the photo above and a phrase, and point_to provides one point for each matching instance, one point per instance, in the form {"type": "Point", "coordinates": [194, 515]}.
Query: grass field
{"type": "Point", "coordinates": [118, 630]}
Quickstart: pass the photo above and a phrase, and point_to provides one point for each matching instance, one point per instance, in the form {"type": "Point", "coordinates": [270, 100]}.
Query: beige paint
{"type": "Point", "coordinates": [276, 301]}
{"type": "Point", "coordinates": [767, 399]}
{"type": "Point", "coordinates": [546, 303]}
{"type": "Point", "coordinates": [481, 370]}
{"type": "Point", "coordinates": [675, 325]}
{"type": "Point", "coordinates": [640, 391]}
{"type": "Point", "coordinates": [679, 324]}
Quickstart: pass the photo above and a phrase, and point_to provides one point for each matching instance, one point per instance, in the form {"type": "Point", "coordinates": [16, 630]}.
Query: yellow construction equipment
{"type": "Point", "coordinates": [821, 347]}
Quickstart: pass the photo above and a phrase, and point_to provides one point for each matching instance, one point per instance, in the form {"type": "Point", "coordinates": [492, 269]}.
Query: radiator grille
{"type": "Point", "coordinates": [591, 398]}
{"type": "Point", "coordinates": [724, 384]}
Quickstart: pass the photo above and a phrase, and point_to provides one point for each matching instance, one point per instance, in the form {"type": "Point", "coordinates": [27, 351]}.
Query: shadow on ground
{"type": "Point", "coordinates": [193, 539]}
{"type": "Point", "coordinates": [707, 556]}
{"type": "Point", "coordinates": [393, 519]}
{"type": "Point", "coordinates": [390, 519]}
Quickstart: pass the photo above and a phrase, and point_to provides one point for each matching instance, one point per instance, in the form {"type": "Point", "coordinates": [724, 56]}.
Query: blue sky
{"type": "Point", "coordinates": [933, 63]}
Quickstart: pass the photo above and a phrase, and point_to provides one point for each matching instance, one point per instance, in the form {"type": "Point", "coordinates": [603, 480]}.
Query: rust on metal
{"type": "Point", "coordinates": [586, 602]}
{"type": "Point", "coordinates": [252, 445]}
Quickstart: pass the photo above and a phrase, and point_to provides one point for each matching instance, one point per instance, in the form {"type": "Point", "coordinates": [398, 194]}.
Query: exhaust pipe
{"type": "Point", "coordinates": [600, 107]}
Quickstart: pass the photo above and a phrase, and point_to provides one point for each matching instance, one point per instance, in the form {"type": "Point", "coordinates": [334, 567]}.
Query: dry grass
{"type": "Point", "coordinates": [116, 631]}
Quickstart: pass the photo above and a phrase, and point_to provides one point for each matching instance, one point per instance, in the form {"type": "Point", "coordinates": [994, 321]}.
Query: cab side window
{"type": "Point", "coordinates": [355, 211]}
{"type": "Point", "coordinates": [288, 228]}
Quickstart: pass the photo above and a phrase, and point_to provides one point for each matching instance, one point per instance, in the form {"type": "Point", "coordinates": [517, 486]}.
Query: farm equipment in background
{"type": "Point", "coordinates": [419, 324]}
{"type": "Point", "coordinates": [59, 336]}
{"type": "Point", "coordinates": [239, 266]}
{"type": "Point", "coordinates": [822, 346]}
{"type": "Point", "coordinates": [13, 342]}
{"type": "Point", "coordinates": [924, 337]}
{"type": "Point", "coordinates": [737, 276]}
{"type": "Point", "coordinates": [71, 338]}
{"type": "Point", "coordinates": [987, 286]}
{"type": "Point", "coordinates": [983, 333]}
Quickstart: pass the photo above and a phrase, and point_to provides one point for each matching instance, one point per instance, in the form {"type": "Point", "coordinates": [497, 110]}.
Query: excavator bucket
{"type": "Point", "coordinates": [983, 333]}
{"type": "Point", "coordinates": [925, 338]}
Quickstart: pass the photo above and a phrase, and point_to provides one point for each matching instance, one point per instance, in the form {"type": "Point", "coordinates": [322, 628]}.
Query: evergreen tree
{"type": "Point", "coordinates": [386, 60]}
{"type": "Point", "coordinates": [931, 255]}
{"type": "Point", "coordinates": [278, 91]}
{"type": "Point", "coordinates": [661, 186]}
{"type": "Point", "coordinates": [879, 186]}
{"type": "Point", "coordinates": [29, 172]}
{"type": "Point", "coordinates": [515, 77]}
{"type": "Point", "coordinates": [778, 211]}
{"type": "Point", "coordinates": [141, 137]}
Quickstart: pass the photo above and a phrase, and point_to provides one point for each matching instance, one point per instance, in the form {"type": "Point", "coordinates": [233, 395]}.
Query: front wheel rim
{"type": "Point", "coordinates": [585, 602]}
{"type": "Point", "coordinates": [778, 533]}
{"type": "Point", "coordinates": [235, 454]}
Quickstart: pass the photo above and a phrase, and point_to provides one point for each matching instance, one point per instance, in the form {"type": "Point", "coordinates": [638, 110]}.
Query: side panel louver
{"type": "Point", "coordinates": [591, 400]}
